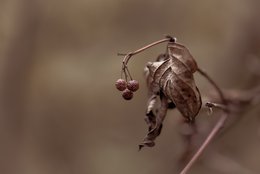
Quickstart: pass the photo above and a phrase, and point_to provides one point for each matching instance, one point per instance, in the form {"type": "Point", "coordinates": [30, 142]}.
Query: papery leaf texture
{"type": "Point", "coordinates": [170, 82]}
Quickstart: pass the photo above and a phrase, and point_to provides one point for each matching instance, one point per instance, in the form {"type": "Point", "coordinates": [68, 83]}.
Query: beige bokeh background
{"type": "Point", "coordinates": [60, 112]}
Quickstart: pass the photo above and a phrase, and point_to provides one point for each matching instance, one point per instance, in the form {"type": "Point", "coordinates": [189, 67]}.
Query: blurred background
{"type": "Point", "coordinates": [60, 112]}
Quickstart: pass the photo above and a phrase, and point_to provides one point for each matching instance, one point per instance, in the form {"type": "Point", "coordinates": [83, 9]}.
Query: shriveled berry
{"type": "Point", "coordinates": [133, 85]}
{"type": "Point", "coordinates": [121, 84]}
{"type": "Point", "coordinates": [127, 94]}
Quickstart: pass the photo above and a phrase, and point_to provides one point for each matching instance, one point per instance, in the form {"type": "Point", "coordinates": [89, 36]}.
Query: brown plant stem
{"type": "Point", "coordinates": [211, 135]}
{"type": "Point", "coordinates": [215, 129]}
{"type": "Point", "coordinates": [220, 93]}
{"type": "Point", "coordinates": [128, 56]}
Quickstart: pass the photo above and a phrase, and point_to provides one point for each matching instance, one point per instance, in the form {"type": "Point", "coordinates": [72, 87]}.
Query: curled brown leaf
{"type": "Point", "coordinates": [174, 77]}
{"type": "Point", "coordinates": [155, 123]}
{"type": "Point", "coordinates": [170, 83]}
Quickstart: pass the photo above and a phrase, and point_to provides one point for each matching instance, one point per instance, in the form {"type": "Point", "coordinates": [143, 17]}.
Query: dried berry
{"type": "Point", "coordinates": [127, 94]}
{"type": "Point", "coordinates": [133, 85]}
{"type": "Point", "coordinates": [121, 84]}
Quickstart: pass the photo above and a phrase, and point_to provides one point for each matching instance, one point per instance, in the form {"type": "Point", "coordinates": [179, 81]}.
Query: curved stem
{"type": "Point", "coordinates": [220, 93]}
{"type": "Point", "coordinates": [129, 55]}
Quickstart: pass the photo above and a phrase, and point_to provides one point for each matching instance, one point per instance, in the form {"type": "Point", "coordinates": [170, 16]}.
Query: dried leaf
{"type": "Point", "coordinates": [155, 124]}
{"type": "Point", "coordinates": [174, 76]}
{"type": "Point", "coordinates": [152, 101]}
{"type": "Point", "coordinates": [170, 83]}
{"type": "Point", "coordinates": [162, 57]}
{"type": "Point", "coordinates": [156, 107]}
{"type": "Point", "coordinates": [152, 67]}
{"type": "Point", "coordinates": [182, 53]}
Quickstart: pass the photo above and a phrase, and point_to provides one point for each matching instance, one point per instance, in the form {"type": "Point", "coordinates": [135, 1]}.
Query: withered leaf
{"type": "Point", "coordinates": [154, 121]}
{"type": "Point", "coordinates": [174, 77]}
{"type": "Point", "coordinates": [182, 53]}
{"type": "Point", "coordinates": [170, 81]}
{"type": "Point", "coordinates": [162, 57]}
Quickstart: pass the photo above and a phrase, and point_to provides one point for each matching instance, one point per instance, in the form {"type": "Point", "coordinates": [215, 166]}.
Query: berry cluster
{"type": "Point", "coordinates": [128, 88]}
